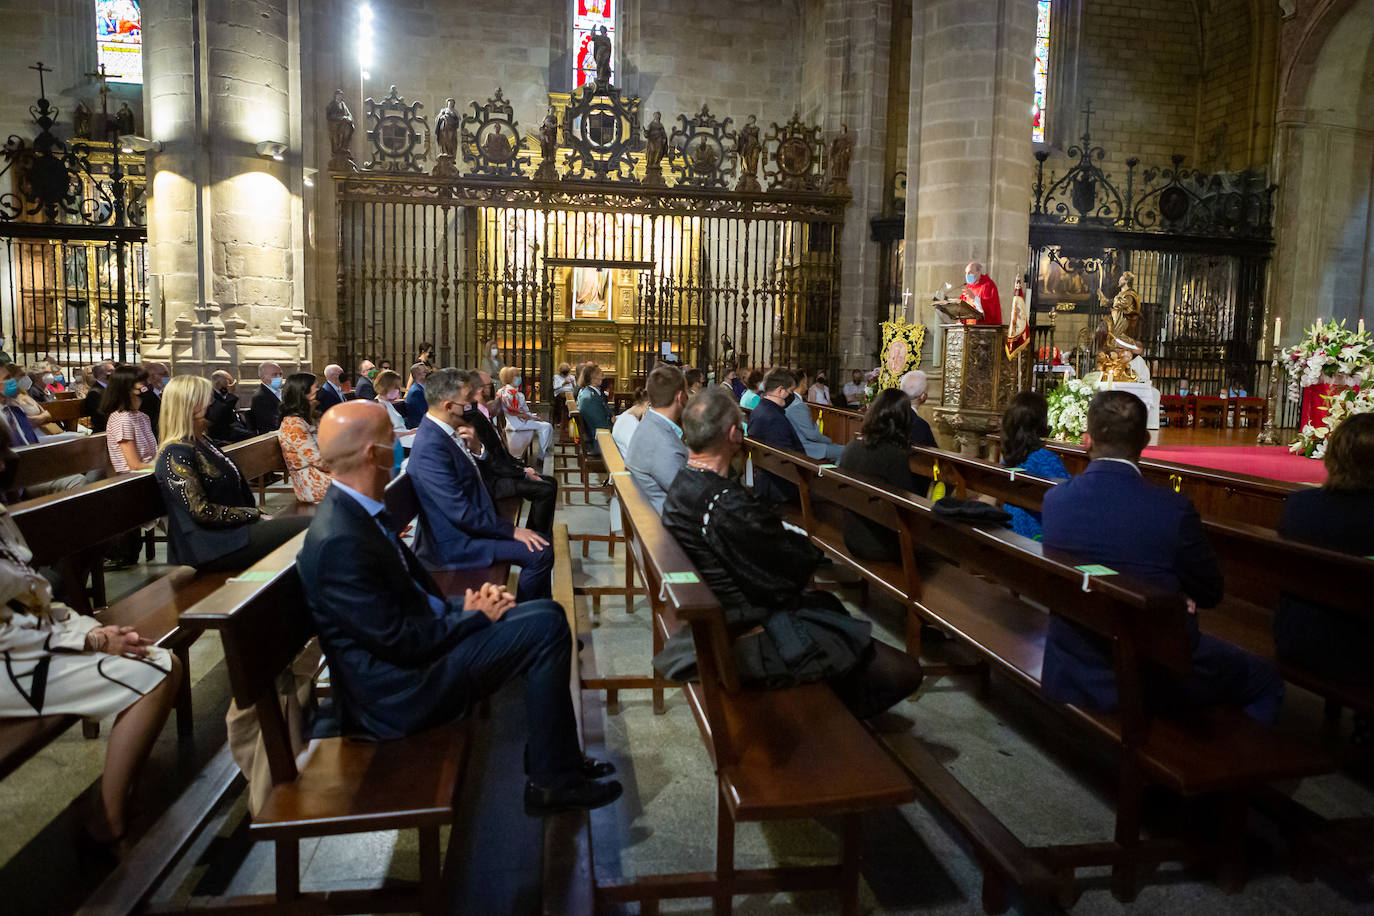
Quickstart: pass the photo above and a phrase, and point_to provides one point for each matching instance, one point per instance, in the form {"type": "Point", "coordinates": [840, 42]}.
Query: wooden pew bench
{"type": "Point", "coordinates": [778, 754]}
{"type": "Point", "coordinates": [979, 603]}
{"type": "Point", "coordinates": [588, 463]}
{"type": "Point", "coordinates": [339, 786]}
{"type": "Point", "coordinates": [67, 413]}
{"type": "Point", "coordinates": [64, 458]}
{"type": "Point", "coordinates": [1224, 496]}
{"type": "Point", "coordinates": [1258, 566]}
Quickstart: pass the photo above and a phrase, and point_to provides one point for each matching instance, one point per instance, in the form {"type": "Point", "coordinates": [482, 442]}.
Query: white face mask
{"type": "Point", "coordinates": [494, 351]}
{"type": "Point", "coordinates": [25, 383]}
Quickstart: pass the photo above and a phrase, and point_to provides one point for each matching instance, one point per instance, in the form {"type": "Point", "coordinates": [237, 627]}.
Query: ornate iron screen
{"type": "Point", "coordinates": [602, 259]}
{"type": "Point", "coordinates": [73, 259]}
{"type": "Point", "coordinates": [1198, 244]}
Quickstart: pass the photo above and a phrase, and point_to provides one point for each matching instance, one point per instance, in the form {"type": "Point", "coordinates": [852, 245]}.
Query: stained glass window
{"type": "Point", "coordinates": [1042, 70]}
{"type": "Point", "coordinates": [589, 17]}
{"type": "Point", "coordinates": [119, 39]}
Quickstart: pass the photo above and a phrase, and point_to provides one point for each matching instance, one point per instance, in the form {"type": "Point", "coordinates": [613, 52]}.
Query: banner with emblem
{"type": "Point", "coordinates": [901, 351]}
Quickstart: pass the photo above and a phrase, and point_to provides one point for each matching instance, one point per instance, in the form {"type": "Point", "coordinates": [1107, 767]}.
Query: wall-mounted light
{"type": "Point", "coordinates": [133, 143]}
{"type": "Point", "coordinates": [365, 35]}
{"type": "Point", "coordinates": [274, 149]}
{"type": "Point", "coordinates": [309, 176]}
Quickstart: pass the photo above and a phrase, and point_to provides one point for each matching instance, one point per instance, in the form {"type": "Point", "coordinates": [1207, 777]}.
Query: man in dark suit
{"type": "Point", "coordinates": [265, 411]}
{"type": "Point", "coordinates": [151, 402]}
{"type": "Point", "coordinates": [402, 657]}
{"type": "Point", "coordinates": [364, 389]}
{"type": "Point", "coordinates": [416, 401]}
{"type": "Point", "coordinates": [1110, 516]}
{"type": "Point", "coordinates": [459, 526]}
{"type": "Point", "coordinates": [915, 386]}
{"type": "Point", "coordinates": [223, 412]}
{"type": "Point", "coordinates": [90, 404]}
{"type": "Point", "coordinates": [768, 424]}
{"type": "Point", "coordinates": [505, 475]}
{"type": "Point", "coordinates": [331, 392]}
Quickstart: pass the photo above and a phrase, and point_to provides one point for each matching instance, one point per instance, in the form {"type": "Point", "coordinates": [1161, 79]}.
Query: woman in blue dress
{"type": "Point", "coordinates": [1024, 426]}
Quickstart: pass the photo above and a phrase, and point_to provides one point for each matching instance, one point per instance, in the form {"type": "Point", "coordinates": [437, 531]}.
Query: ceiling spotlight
{"type": "Point", "coordinates": [274, 149]}
{"type": "Point", "coordinates": [133, 143]}
{"type": "Point", "coordinates": [309, 176]}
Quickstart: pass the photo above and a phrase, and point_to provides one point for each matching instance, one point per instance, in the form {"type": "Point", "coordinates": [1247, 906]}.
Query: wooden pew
{"type": "Point", "coordinates": [587, 462]}
{"type": "Point", "coordinates": [1219, 495]}
{"type": "Point", "coordinates": [840, 424]}
{"type": "Point", "coordinates": [778, 754]}
{"type": "Point", "coordinates": [1258, 566]}
{"type": "Point", "coordinates": [1217, 750]}
{"type": "Point", "coordinates": [51, 460]}
{"type": "Point", "coordinates": [67, 413]}
{"type": "Point", "coordinates": [339, 786]}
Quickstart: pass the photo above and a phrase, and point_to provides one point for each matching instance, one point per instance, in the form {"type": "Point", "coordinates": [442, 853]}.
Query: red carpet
{"type": "Point", "coordinates": [1274, 462]}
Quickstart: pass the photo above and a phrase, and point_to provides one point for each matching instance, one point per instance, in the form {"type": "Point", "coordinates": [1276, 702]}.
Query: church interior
{"type": "Point", "coordinates": [978, 203]}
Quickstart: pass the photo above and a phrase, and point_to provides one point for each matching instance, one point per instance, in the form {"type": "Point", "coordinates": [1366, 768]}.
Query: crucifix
{"type": "Point", "coordinates": [100, 75]}
{"type": "Point", "coordinates": [906, 302]}
{"type": "Point", "coordinates": [1088, 120]}
{"type": "Point", "coordinates": [42, 93]}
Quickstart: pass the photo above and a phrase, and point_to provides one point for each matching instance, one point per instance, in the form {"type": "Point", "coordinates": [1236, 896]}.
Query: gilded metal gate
{"type": "Point", "coordinates": [603, 261]}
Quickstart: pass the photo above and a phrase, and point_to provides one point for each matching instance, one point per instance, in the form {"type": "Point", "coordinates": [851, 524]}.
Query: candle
{"type": "Point", "coordinates": [1278, 324]}
{"type": "Point", "coordinates": [1361, 325]}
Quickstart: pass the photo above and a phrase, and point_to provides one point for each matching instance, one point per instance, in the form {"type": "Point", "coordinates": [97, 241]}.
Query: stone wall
{"type": "Point", "coordinates": [1140, 65]}
{"type": "Point", "coordinates": [1224, 95]}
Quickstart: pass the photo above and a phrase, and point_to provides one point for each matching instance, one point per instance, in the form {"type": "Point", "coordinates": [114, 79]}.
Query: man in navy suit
{"type": "Point", "coordinates": [1110, 516]}
{"type": "Point", "coordinates": [403, 658]}
{"type": "Point", "coordinates": [768, 424]}
{"type": "Point", "coordinates": [459, 526]}
{"type": "Point", "coordinates": [416, 401]}
{"type": "Point", "coordinates": [331, 392]}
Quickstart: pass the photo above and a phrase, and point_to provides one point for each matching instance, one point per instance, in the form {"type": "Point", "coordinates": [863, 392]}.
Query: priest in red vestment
{"type": "Point", "coordinates": [981, 293]}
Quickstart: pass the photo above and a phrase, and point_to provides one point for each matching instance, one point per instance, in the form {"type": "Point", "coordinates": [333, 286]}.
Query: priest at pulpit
{"type": "Point", "coordinates": [981, 293]}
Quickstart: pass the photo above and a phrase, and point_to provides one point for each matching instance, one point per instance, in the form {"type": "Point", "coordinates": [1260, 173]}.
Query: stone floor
{"type": "Point", "coordinates": [1040, 777]}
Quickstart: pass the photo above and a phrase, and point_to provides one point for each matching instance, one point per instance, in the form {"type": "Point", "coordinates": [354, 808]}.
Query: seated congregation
{"type": "Point", "coordinates": [770, 533]}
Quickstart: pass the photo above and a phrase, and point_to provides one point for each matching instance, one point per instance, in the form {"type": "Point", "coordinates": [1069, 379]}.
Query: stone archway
{"type": "Point", "coordinates": [1324, 166]}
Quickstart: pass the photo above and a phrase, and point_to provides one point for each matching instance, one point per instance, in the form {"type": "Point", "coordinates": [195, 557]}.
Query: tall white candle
{"type": "Point", "coordinates": [1361, 325]}
{"type": "Point", "coordinates": [1278, 324]}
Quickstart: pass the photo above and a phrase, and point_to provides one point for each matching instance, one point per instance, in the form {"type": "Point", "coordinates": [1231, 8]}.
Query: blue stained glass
{"type": "Point", "coordinates": [119, 39]}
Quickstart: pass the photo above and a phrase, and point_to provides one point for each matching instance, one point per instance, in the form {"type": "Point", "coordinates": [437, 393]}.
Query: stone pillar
{"type": "Point", "coordinates": [224, 244]}
{"type": "Point", "coordinates": [969, 164]}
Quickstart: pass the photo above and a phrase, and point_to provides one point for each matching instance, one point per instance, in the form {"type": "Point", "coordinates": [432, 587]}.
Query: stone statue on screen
{"type": "Point", "coordinates": [655, 148]}
{"type": "Point", "coordinates": [446, 130]}
{"type": "Point", "coordinates": [1119, 350]}
{"type": "Point", "coordinates": [81, 122]}
{"type": "Point", "coordinates": [750, 147]}
{"type": "Point", "coordinates": [841, 151]}
{"type": "Point", "coordinates": [548, 147]}
{"type": "Point", "coordinates": [601, 54]}
{"type": "Point", "coordinates": [340, 121]}
{"type": "Point", "coordinates": [497, 147]}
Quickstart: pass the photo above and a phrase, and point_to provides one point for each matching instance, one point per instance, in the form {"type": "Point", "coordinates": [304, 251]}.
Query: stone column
{"type": "Point", "coordinates": [224, 244]}
{"type": "Point", "coordinates": [969, 164]}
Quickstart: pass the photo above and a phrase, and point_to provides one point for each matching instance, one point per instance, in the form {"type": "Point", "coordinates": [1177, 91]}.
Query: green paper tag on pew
{"type": "Point", "coordinates": [1093, 570]}
{"type": "Point", "coordinates": [253, 576]}
{"type": "Point", "coordinates": [681, 578]}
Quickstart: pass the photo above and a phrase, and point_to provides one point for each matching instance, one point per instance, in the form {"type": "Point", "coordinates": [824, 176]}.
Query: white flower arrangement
{"type": "Point", "coordinates": [1068, 413]}
{"type": "Point", "coordinates": [1328, 352]}
{"type": "Point", "coordinates": [1312, 440]}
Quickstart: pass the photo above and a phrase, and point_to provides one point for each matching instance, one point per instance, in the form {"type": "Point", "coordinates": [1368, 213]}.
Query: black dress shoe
{"type": "Point", "coordinates": [589, 768]}
{"type": "Point", "coordinates": [579, 795]}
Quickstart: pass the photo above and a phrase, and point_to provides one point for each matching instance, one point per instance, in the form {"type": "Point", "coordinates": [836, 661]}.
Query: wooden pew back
{"type": "Point", "coordinates": [66, 412]}
{"type": "Point", "coordinates": [51, 460]}
{"type": "Point", "coordinates": [841, 425]}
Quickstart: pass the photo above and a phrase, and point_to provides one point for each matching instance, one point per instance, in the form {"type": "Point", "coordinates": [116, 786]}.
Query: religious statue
{"type": "Point", "coordinates": [124, 120]}
{"type": "Point", "coordinates": [841, 150]}
{"type": "Point", "coordinates": [704, 159]}
{"type": "Point", "coordinates": [749, 149]}
{"type": "Point", "coordinates": [446, 126]}
{"type": "Point", "coordinates": [497, 147]}
{"type": "Point", "coordinates": [601, 53]}
{"type": "Point", "coordinates": [655, 148]}
{"type": "Point", "coordinates": [548, 147]}
{"type": "Point", "coordinates": [340, 121]}
{"type": "Point", "coordinates": [1117, 342]}
{"type": "Point", "coordinates": [446, 130]}
{"type": "Point", "coordinates": [81, 122]}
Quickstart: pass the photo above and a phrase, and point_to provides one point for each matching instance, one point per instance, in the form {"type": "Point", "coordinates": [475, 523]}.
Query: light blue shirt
{"type": "Point", "coordinates": [677, 430]}
{"type": "Point", "coordinates": [374, 508]}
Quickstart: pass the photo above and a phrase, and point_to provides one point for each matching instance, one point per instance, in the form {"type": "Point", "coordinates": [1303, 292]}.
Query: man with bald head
{"type": "Point", "coordinates": [223, 412]}
{"type": "Point", "coordinates": [981, 293]}
{"type": "Point", "coordinates": [363, 389]}
{"type": "Point", "coordinates": [266, 407]}
{"type": "Point", "coordinates": [331, 392]}
{"type": "Point", "coordinates": [403, 658]}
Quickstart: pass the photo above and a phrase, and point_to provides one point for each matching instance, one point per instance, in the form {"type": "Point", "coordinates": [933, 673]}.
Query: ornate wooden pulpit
{"type": "Point", "coordinates": [979, 381]}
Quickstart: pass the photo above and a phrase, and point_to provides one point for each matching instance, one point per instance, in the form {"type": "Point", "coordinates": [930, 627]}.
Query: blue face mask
{"type": "Point", "coordinates": [59, 379]}
{"type": "Point", "coordinates": [970, 278]}
{"type": "Point", "coordinates": [11, 388]}
{"type": "Point", "coordinates": [276, 383]}
{"type": "Point", "coordinates": [518, 380]}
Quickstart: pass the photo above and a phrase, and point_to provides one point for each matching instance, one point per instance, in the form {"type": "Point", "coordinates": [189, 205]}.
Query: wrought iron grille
{"type": "Point", "coordinates": [73, 256]}
{"type": "Point", "coordinates": [591, 272]}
